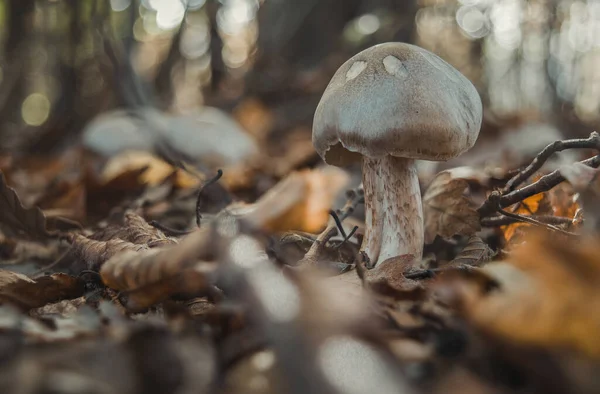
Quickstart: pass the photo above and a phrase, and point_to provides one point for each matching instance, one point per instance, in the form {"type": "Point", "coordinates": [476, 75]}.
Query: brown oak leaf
{"type": "Point", "coordinates": [136, 230]}
{"type": "Point", "coordinates": [95, 253]}
{"type": "Point", "coordinates": [446, 210]}
{"type": "Point", "coordinates": [475, 253]}
{"type": "Point", "coordinates": [30, 293]}
{"type": "Point", "coordinates": [28, 221]}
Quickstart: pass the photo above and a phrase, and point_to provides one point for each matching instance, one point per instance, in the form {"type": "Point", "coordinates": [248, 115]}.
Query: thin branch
{"type": "Point", "coordinates": [338, 223]}
{"type": "Point", "coordinates": [311, 258]}
{"type": "Point", "coordinates": [593, 142]}
{"type": "Point", "coordinates": [211, 181]}
{"type": "Point", "coordinates": [347, 237]}
{"type": "Point", "coordinates": [496, 221]}
{"type": "Point", "coordinates": [496, 201]}
{"type": "Point", "coordinates": [168, 230]}
{"type": "Point", "coordinates": [530, 220]}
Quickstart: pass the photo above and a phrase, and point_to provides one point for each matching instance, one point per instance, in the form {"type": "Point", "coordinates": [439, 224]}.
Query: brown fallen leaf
{"type": "Point", "coordinates": [536, 204]}
{"type": "Point", "coordinates": [300, 202]}
{"type": "Point", "coordinates": [446, 210]}
{"type": "Point", "coordinates": [475, 253]}
{"type": "Point", "coordinates": [138, 267]}
{"type": "Point", "coordinates": [94, 253]}
{"type": "Point", "coordinates": [191, 282]}
{"type": "Point", "coordinates": [546, 295]}
{"type": "Point", "coordinates": [155, 171]}
{"type": "Point", "coordinates": [30, 293]}
{"type": "Point", "coordinates": [388, 279]}
{"type": "Point", "coordinates": [136, 230]}
{"type": "Point", "coordinates": [22, 221]}
{"type": "Point", "coordinates": [62, 308]}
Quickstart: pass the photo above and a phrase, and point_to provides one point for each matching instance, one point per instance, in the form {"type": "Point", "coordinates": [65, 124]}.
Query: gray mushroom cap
{"type": "Point", "coordinates": [396, 99]}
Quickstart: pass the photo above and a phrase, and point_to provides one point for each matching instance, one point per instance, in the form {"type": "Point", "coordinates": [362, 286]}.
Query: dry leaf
{"type": "Point", "coordinates": [475, 253]}
{"type": "Point", "coordinates": [446, 210]}
{"type": "Point", "coordinates": [300, 202]}
{"type": "Point", "coordinates": [94, 253]}
{"type": "Point", "coordinates": [152, 275]}
{"type": "Point", "coordinates": [388, 278]}
{"type": "Point", "coordinates": [586, 182]}
{"type": "Point", "coordinates": [538, 203]}
{"type": "Point", "coordinates": [547, 295]}
{"type": "Point", "coordinates": [156, 169]}
{"type": "Point", "coordinates": [29, 293]}
{"type": "Point", "coordinates": [29, 221]}
{"type": "Point", "coordinates": [136, 230]}
{"type": "Point", "coordinates": [138, 267]}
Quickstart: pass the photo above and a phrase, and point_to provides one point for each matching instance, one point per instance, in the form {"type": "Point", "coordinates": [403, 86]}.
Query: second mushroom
{"type": "Point", "coordinates": [389, 105]}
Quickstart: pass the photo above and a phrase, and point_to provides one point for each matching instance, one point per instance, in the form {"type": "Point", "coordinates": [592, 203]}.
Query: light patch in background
{"type": "Point", "coordinates": [234, 15]}
{"type": "Point", "coordinates": [263, 360]}
{"type": "Point", "coordinates": [35, 109]}
{"type": "Point", "coordinates": [368, 24]}
{"type": "Point", "coordinates": [237, 25]}
{"type": "Point", "coordinates": [195, 41]}
{"type": "Point", "coordinates": [353, 367]}
{"type": "Point", "coordinates": [278, 296]}
{"type": "Point", "coordinates": [472, 21]}
{"type": "Point", "coordinates": [195, 4]}
{"type": "Point", "coordinates": [119, 5]}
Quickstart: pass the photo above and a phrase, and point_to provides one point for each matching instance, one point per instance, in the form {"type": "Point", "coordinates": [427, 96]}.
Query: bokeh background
{"type": "Point", "coordinates": [266, 62]}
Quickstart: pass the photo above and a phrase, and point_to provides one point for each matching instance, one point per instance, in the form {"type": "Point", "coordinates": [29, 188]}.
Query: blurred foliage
{"type": "Point", "coordinates": [63, 62]}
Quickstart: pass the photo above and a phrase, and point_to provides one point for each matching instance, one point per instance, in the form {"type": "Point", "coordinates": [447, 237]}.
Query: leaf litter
{"type": "Point", "coordinates": [272, 292]}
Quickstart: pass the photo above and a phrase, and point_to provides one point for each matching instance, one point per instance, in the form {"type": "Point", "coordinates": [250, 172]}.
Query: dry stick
{"type": "Point", "coordinates": [311, 258]}
{"type": "Point", "coordinates": [496, 221]}
{"type": "Point", "coordinates": [529, 219]}
{"type": "Point", "coordinates": [211, 181]}
{"type": "Point", "coordinates": [53, 264]}
{"type": "Point", "coordinates": [168, 230]}
{"type": "Point", "coordinates": [497, 201]}
{"type": "Point", "coordinates": [593, 142]}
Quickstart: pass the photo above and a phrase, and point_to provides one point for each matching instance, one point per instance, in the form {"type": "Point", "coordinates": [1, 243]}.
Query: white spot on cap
{"type": "Point", "coordinates": [394, 67]}
{"type": "Point", "coordinates": [355, 70]}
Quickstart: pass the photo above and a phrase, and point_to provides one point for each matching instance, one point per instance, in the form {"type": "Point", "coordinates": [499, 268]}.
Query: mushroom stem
{"type": "Point", "coordinates": [393, 210]}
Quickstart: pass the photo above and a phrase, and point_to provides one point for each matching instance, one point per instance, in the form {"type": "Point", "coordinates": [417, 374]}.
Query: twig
{"type": "Point", "coordinates": [593, 142]}
{"type": "Point", "coordinates": [311, 258]}
{"type": "Point", "coordinates": [529, 219]}
{"type": "Point", "coordinates": [53, 264]}
{"type": "Point", "coordinates": [346, 238]}
{"type": "Point", "coordinates": [338, 223]}
{"type": "Point", "coordinates": [211, 181]}
{"type": "Point", "coordinates": [496, 201]}
{"type": "Point", "coordinates": [168, 230]}
{"type": "Point", "coordinates": [496, 221]}
{"type": "Point", "coordinates": [430, 273]}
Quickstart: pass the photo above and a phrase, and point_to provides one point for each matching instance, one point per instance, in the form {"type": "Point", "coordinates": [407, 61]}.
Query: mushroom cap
{"type": "Point", "coordinates": [396, 99]}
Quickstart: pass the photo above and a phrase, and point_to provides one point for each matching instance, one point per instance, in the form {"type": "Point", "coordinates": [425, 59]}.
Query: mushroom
{"type": "Point", "coordinates": [391, 104]}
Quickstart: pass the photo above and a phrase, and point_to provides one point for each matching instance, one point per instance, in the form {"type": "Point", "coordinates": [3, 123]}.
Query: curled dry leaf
{"type": "Point", "coordinates": [475, 253]}
{"type": "Point", "coordinates": [136, 230]}
{"type": "Point", "coordinates": [546, 295]}
{"type": "Point", "coordinates": [21, 220]}
{"type": "Point", "coordinates": [28, 293]}
{"type": "Point", "coordinates": [95, 253]}
{"type": "Point", "coordinates": [446, 210]}
{"type": "Point", "coordinates": [299, 202]}
{"type": "Point", "coordinates": [155, 171]}
{"type": "Point", "coordinates": [388, 279]}
{"type": "Point", "coordinates": [536, 204]}
{"type": "Point", "coordinates": [152, 275]}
